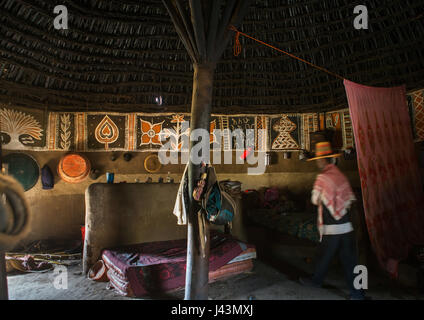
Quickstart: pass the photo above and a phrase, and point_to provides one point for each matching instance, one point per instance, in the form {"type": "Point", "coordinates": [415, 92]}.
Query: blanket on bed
{"type": "Point", "coordinates": [159, 267]}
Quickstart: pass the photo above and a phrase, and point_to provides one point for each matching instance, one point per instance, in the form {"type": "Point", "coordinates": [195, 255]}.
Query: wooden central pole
{"type": "Point", "coordinates": [3, 277]}
{"type": "Point", "coordinates": [197, 271]}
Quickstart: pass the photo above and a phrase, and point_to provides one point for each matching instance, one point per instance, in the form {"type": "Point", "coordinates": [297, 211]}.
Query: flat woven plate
{"type": "Point", "coordinates": [152, 163]}
{"type": "Point", "coordinates": [73, 168]}
{"type": "Point", "coordinates": [23, 168]}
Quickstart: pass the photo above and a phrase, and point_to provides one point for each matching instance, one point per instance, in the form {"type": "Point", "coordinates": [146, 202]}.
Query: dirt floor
{"type": "Point", "coordinates": [262, 283]}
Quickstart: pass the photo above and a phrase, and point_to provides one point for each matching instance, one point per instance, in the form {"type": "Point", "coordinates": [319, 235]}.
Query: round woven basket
{"type": "Point", "coordinates": [74, 168]}
{"type": "Point", "coordinates": [152, 163]}
{"type": "Point", "coordinates": [24, 168]}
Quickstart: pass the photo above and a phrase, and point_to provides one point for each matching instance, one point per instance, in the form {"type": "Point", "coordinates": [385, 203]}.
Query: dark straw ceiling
{"type": "Point", "coordinates": [122, 55]}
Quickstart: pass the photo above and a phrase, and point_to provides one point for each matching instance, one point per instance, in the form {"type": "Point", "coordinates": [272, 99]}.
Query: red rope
{"type": "Point", "coordinates": [237, 50]}
{"type": "Point", "coordinates": [237, 45]}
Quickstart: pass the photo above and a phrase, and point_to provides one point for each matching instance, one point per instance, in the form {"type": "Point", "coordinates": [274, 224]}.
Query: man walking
{"type": "Point", "coordinates": [333, 196]}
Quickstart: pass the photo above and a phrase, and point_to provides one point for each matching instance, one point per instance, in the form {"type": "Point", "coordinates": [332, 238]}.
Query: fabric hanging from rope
{"type": "Point", "coordinates": [392, 189]}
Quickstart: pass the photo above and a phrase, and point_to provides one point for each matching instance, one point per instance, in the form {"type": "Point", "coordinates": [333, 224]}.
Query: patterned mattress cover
{"type": "Point", "coordinates": [157, 267]}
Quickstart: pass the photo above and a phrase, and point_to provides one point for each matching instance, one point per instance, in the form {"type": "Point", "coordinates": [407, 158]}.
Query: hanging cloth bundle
{"type": "Point", "coordinates": [217, 205]}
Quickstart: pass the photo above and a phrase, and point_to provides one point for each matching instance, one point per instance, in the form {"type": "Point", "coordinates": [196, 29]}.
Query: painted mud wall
{"type": "Point", "coordinates": [59, 213]}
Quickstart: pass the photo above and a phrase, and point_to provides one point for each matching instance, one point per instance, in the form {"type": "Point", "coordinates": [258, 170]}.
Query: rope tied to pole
{"type": "Point", "coordinates": [237, 44]}
{"type": "Point", "coordinates": [237, 51]}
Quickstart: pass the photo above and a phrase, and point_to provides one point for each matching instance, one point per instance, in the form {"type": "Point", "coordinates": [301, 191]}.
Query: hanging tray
{"type": "Point", "coordinates": [24, 168]}
{"type": "Point", "coordinates": [73, 168]}
{"type": "Point", "coordinates": [152, 163]}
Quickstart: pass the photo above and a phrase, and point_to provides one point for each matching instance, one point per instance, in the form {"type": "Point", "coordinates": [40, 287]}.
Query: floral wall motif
{"type": "Point", "coordinates": [27, 129]}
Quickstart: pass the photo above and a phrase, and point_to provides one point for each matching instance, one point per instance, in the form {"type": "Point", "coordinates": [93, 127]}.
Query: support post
{"type": "Point", "coordinates": [205, 41]}
{"type": "Point", "coordinates": [3, 277]}
{"type": "Point", "coordinates": [197, 270]}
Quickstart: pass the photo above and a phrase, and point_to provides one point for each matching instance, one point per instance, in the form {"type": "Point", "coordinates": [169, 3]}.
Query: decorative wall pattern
{"type": "Point", "coordinates": [416, 102]}
{"type": "Point", "coordinates": [61, 131]}
{"type": "Point", "coordinates": [23, 128]}
{"type": "Point", "coordinates": [106, 132]}
{"type": "Point", "coordinates": [26, 129]}
{"type": "Point", "coordinates": [347, 130]}
{"type": "Point", "coordinates": [285, 132]}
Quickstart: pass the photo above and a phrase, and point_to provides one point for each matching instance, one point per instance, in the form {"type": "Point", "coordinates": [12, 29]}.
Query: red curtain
{"type": "Point", "coordinates": [392, 190]}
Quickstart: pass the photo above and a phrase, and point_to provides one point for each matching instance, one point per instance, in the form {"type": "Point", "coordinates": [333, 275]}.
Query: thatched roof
{"type": "Point", "coordinates": [120, 55]}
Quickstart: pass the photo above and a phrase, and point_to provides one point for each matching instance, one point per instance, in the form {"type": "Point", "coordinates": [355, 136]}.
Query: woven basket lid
{"type": "Point", "coordinates": [23, 168]}
{"type": "Point", "coordinates": [73, 168]}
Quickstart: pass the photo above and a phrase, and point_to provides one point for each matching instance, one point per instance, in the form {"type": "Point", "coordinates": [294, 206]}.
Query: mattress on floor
{"type": "Point", "coordinates": [159, 267]}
